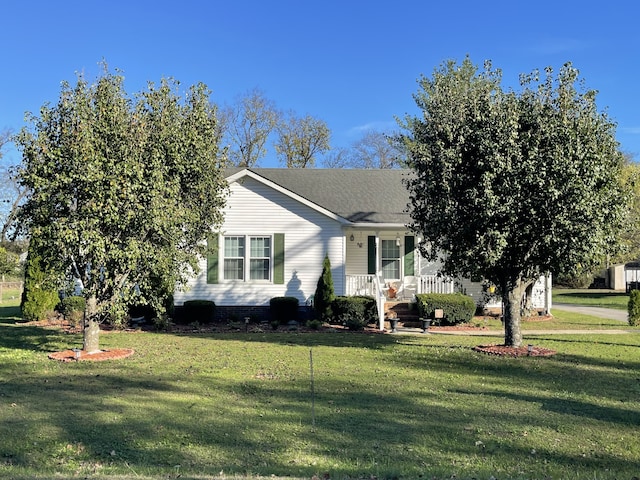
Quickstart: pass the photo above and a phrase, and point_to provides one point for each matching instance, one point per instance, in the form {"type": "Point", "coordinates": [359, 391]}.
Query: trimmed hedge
{"type": "Point", "coordinates": [354, 312]}
{"type": "Point", "coordinates": [458, 308]}
{"type": "Point", "coordinates": [283, 309]}
{"type": "Point", "coordinates": [201, 311]}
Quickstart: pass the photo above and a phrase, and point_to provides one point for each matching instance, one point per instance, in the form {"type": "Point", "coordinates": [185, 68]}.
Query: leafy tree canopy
{"type": "Point", "coordinates": [122, 190]}
{"type": "Point", "coordinates": [511, 185]}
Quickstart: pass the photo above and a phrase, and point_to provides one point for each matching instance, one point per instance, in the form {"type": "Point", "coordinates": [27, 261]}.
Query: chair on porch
{"type": "Point", "coordinates": [409, 287]}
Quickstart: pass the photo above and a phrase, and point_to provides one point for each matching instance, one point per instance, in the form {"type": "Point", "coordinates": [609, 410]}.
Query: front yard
{"type": "Point", "coordinates": [240, 405]}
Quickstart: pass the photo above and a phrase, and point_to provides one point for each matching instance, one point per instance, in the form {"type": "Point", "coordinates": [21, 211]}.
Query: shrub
{"type": "Point", "coordinates": [324, 294]}
{"type": "Point", "coordinates": [201, 311]}
{"type": "Point", "coordinates": [314, 324]}
{"type": "Point", "coordinates": [72, 308]}
{"type": "Point", "coordinates": [634, 308]}
{"type": "Point", "coordinates": [283, 309]}
{"type": "Point", "coordinates": [458, 308]}
{"type": "Point", "coordinates": [39, 298]}
{"type": "Point", "coordinates": [353, 312]}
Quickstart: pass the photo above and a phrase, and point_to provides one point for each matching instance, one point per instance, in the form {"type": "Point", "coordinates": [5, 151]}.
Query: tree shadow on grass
{"type": "Point", "coordinates": [15, 334]}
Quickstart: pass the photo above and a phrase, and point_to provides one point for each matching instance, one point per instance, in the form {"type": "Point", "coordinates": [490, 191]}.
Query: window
{"type": "Point", "coordinates": [248, 258]}
{"type": "Point", "coordinates": [390, 259]}
{"type": "Point", "coordinates": [260, 258]}
{"type": "Point", "coordinates": [235, 258]}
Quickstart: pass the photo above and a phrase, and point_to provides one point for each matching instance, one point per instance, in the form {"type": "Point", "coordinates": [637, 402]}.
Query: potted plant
{"type": "Point", "coordinates": [393, 321]}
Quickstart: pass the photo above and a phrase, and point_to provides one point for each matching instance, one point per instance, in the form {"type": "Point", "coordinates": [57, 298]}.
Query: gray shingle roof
{"type": "Point", "coordinates": [360, 196]}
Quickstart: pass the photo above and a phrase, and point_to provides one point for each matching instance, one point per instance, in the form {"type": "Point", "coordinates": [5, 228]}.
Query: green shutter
{"type": "Point", "coordinates": [278, 258]}
{"type": "Point", "coordinates": [212, 259]}
{"type": "Point", "coordinates": [371, 254]}
{"type": "Point", "coordinates": [409, 249]}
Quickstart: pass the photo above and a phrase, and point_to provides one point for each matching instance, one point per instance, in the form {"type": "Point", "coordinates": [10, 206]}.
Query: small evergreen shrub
{"type": "Point", "coordinates": [72, 308]}
{"type": "Point", "coordinates": [283, 309]}
{"type": "Point", "coordinates": [39, 297]}
{"type": "Point", "coordinates": [458, 308]}
{"type": "Point", "coordinates": [314, 324]}
{"type": "Point", "coordinates": [353, 312]}
{"type": "Point", "coordinates": [325, 293]}
{"type": "Point", "coordinates": [634, 308]}
{"type": "Point", "coordinates": [201, 311]}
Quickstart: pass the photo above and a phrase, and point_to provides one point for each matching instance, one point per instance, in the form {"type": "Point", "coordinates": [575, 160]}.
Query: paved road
{"type": "Point", "coordinates": [610, 313]}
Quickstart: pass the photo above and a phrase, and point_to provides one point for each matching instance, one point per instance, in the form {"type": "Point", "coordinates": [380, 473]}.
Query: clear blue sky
{"type": "Point", "coordinates": [353, 64]}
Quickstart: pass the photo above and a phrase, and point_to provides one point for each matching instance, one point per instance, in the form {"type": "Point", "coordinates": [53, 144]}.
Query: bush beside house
{"type": "Point", "coordinates": [283, 309]}
{"type": "Point", "coordinates": [457, 307]}
{"type": "Point", "coordinates": [354, 312]}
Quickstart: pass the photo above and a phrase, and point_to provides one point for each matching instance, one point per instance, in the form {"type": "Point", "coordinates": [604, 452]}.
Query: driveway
{"type": "Point", "coordinates": [610, 313]}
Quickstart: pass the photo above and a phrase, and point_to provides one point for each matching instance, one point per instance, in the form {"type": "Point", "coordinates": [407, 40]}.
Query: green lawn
{"type": "Point", "coordinates": [385, 406]}
{"type": "Point", "coordinates": [591, 298]}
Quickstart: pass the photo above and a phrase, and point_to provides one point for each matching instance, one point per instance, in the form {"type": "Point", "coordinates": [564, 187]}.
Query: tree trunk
{"type": "Point", "coordinates": [511, 303]}
{"type": "Point", "coordinates": [91, 330]}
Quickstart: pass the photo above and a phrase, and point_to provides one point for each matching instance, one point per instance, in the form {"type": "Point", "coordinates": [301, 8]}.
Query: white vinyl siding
{"type": "Point", "coordinates": [255, 210]}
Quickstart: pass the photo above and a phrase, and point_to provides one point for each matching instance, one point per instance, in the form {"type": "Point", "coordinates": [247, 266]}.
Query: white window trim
{"type": "Point", "coordinates": [247, 259]}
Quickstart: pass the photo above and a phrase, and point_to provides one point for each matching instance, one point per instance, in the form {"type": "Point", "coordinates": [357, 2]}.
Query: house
{"type": "Point", "coordinates": [280, 223]}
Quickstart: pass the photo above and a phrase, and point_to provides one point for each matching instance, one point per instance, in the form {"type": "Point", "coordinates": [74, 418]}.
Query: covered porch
{"type": "Point", "coordinates": [386, 264]}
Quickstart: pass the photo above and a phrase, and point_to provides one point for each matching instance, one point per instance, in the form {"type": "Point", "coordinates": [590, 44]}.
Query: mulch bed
{"type": "Point", "coordinates": [101, 356]}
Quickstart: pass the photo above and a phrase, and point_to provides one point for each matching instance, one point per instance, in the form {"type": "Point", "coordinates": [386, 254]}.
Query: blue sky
{"type": "Point", "coordinates": [354, 64]}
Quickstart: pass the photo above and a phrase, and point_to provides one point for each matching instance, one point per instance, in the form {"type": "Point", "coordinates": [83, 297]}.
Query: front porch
{"type": "Point", "coordinates": [388, 293]}
{"type": "Point", "coordinates": [372, 285]}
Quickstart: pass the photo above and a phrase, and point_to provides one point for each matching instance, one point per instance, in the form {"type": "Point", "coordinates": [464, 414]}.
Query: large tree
{"type": "Point", "coordinates": [247, 125]}
{"type": "Point", "coordinates": [301, 139]}
{"type": "Point", "coordinates": [123, 190]}
{"type": "Point", "coordinates": [511, 185]}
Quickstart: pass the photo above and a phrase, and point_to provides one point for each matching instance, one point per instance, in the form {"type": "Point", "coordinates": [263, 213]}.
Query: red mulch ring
{"type": "Point", "coordinates": [101, 356]}
{"type": "Point", "coordinates": [522, 351]}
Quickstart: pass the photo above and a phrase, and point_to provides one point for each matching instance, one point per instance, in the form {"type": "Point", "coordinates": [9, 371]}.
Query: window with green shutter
{"type": "Point", "coordinates": [248, 258]}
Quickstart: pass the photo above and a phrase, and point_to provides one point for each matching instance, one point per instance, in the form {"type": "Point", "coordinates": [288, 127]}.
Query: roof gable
{"type": "Point", "coordinates": [359, 196]}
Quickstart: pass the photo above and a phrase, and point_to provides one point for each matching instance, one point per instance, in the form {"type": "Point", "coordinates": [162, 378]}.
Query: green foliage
{"type": "Point", "coordinates": [122, 189]}
{"type": "Point", "coordinates": [354, 312]}
{"type": "Point", "coordinates": [39, 297]}
{"type": "Point", "coordinates": [511, 185]}
{"type": "Point", "coordinates": [458, 308]}
{"type": "Point", "coordinates": [492, 416]}
{"type": "Point", "coordinates": [634, 308]}
{"type": "Point", "coordinates": [9, 262]}
{"type": "Point", "coordinates": [72, 308]}
{"type": "Point", "coordinates": [202, 311]}
{"type": "Point", "coordinates": [314, 324]}
{"type": "Point", "coordinates": [324, 295]}
{"type": "Point", "coordinates": [283, 309]}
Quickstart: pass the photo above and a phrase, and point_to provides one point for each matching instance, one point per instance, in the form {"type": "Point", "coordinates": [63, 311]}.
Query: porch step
{"type": "Point", "coordinates": [406, 312]}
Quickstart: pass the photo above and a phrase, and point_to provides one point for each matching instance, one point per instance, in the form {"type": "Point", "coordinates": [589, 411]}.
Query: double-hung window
{"type": "Point", "coordinates": [390, 259]}
{"type": "Point", "coordinates": [241, 263]}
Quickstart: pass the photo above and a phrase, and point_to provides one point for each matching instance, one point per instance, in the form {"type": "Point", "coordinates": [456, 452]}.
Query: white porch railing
{"type": "Point", "coordinates": [435, 284]}
{"type": "Point", "coordinates": [367, 285]}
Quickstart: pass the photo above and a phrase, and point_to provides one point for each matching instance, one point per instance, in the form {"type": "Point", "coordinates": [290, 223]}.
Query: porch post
{"type": "Point", "coordinates": [379, 295]}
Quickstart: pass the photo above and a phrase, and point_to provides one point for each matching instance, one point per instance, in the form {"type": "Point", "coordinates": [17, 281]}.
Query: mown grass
{"type": "Point", "coordinates": [385, 406]}
{"type": "Point", "coordinates": [560, 320]}
{"type": "Point", "coordinates": [591, 298]}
